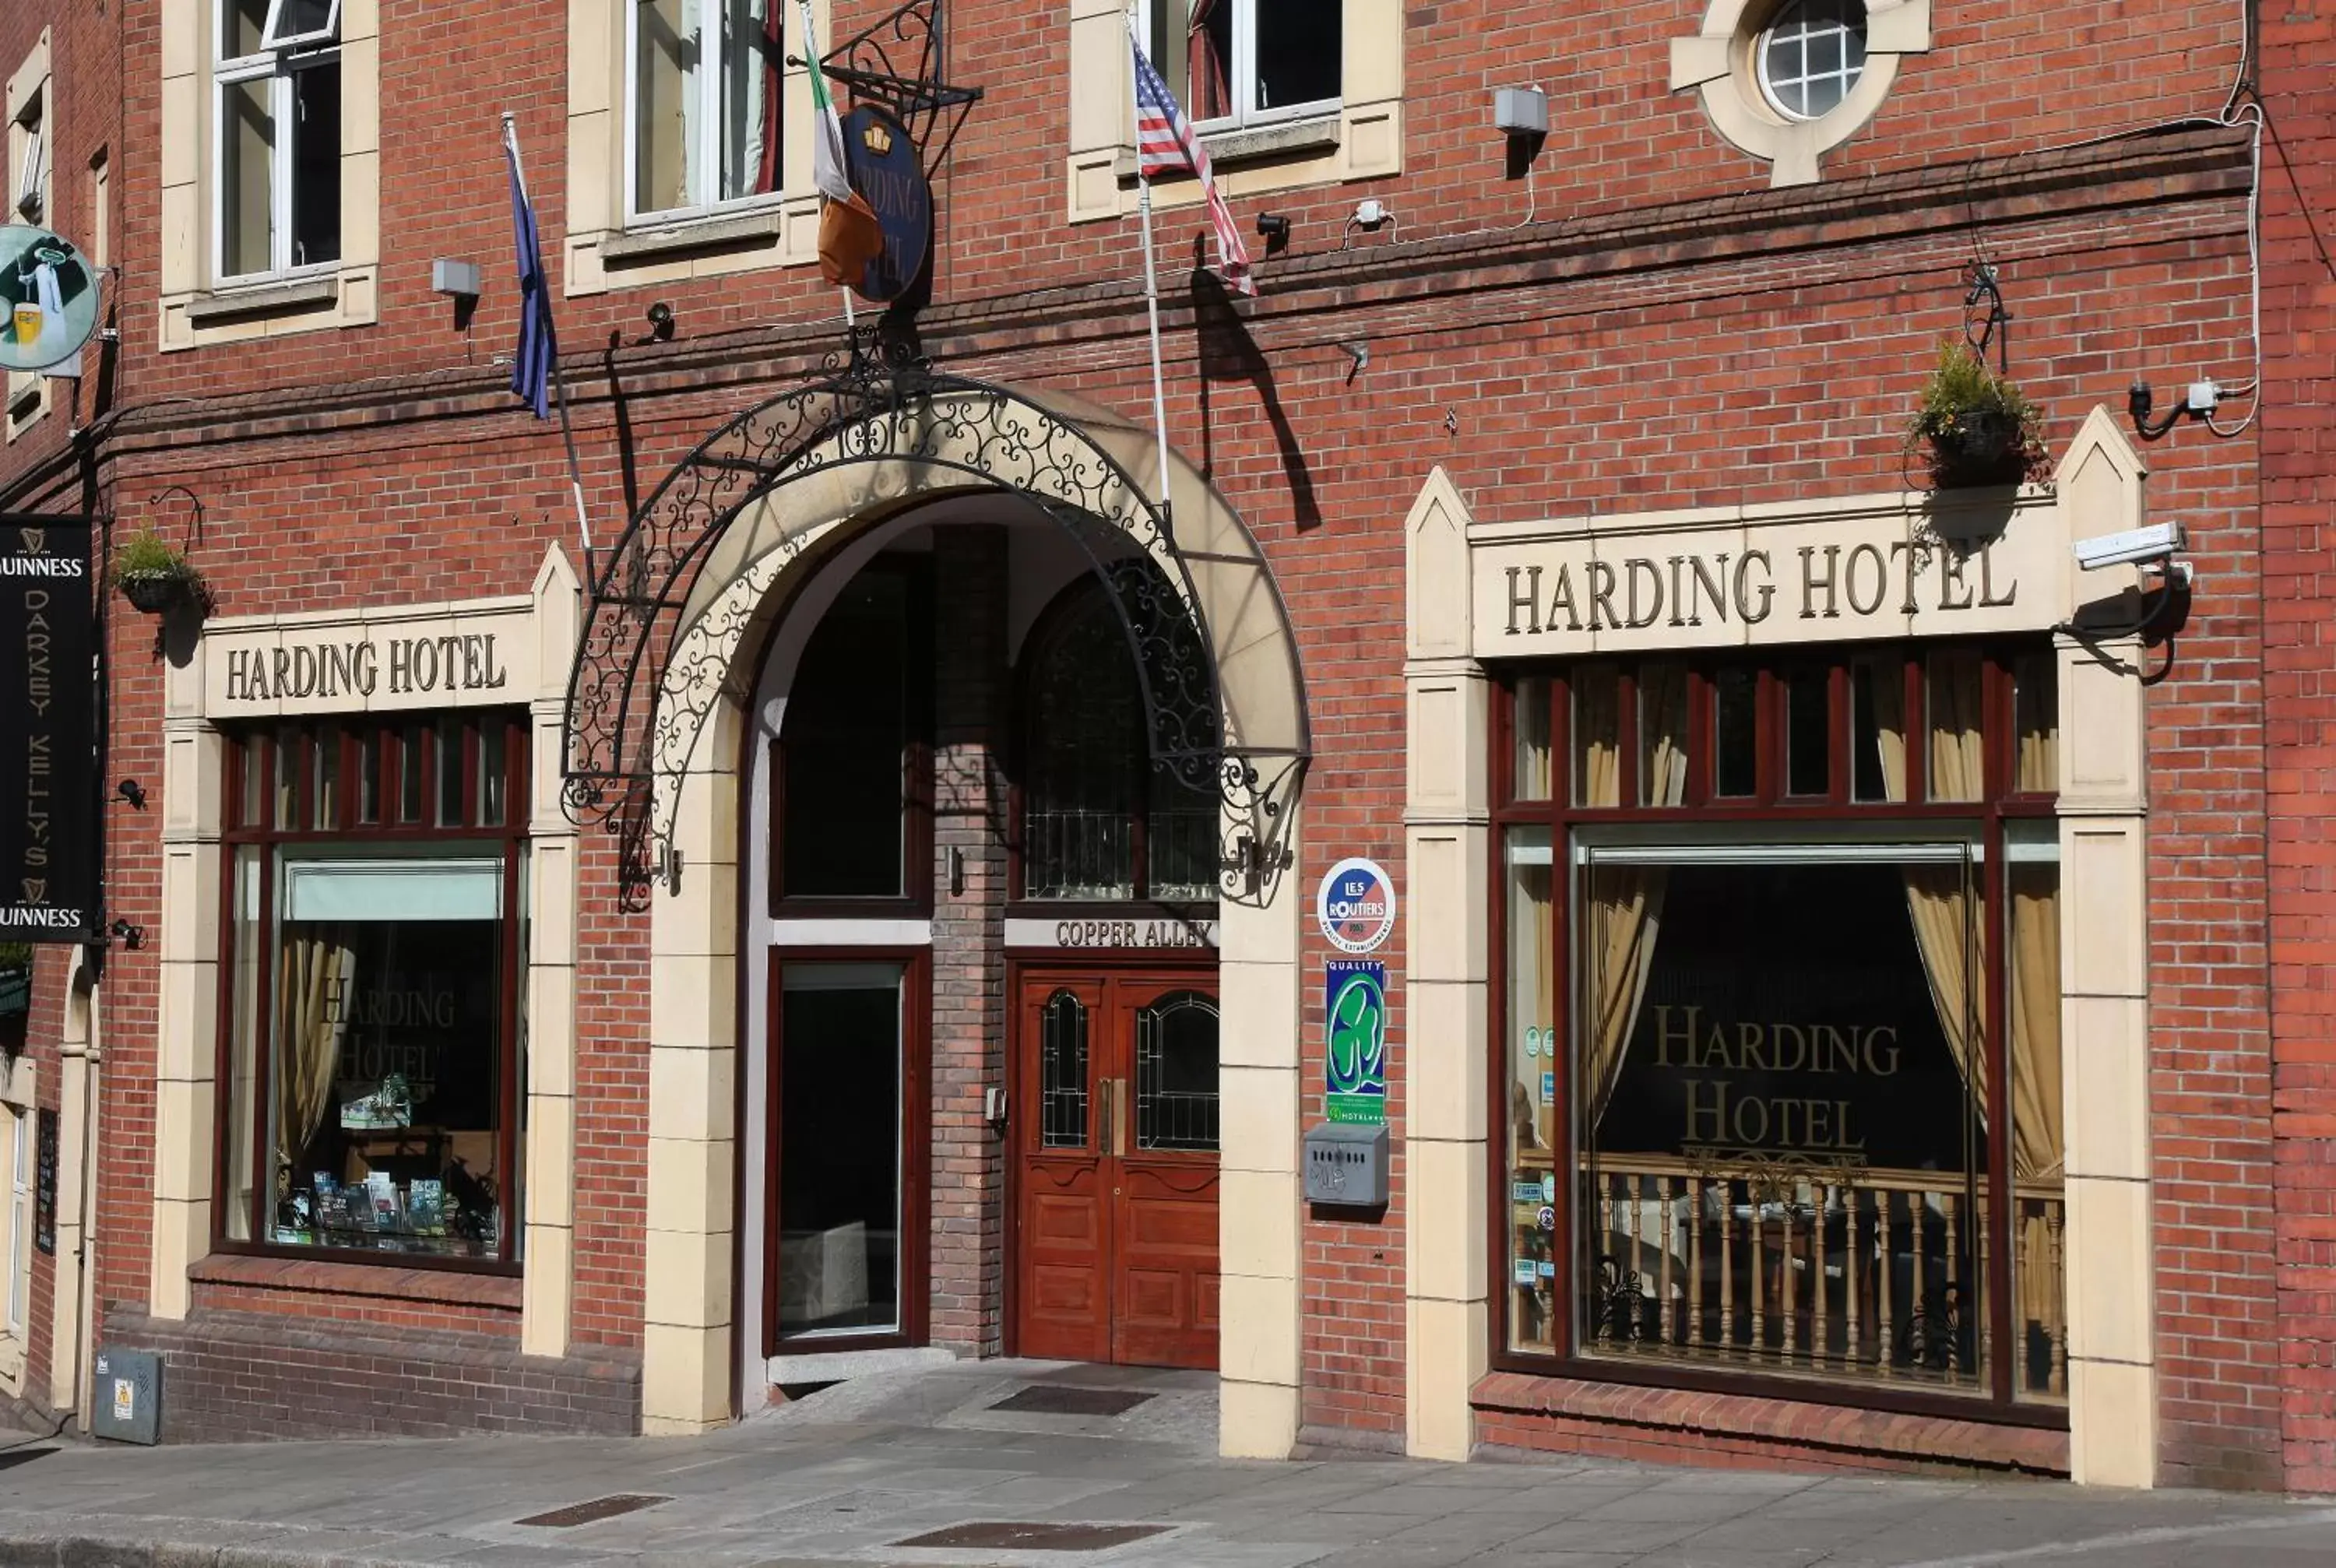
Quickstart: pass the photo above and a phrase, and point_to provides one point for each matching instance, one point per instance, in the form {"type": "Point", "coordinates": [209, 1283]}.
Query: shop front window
{"type": "Point", "coordinates": [374, 986]}
{"type": "Point", "coordinates": [1763, 1022]}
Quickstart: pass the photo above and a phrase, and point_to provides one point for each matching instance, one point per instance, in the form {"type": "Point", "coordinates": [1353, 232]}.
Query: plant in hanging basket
{"type": "Point", "coordinates": [154, 575]}
{"type": "Point", "coordinates": [1976, 427]}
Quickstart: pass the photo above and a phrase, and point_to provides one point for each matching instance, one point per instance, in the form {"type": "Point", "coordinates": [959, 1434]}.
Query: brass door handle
{"type": "Point", "coordinates": [1106, 1112]}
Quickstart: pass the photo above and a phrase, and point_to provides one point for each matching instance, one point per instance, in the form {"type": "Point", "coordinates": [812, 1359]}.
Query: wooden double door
{"type": "Point", "coordinates": [1115, 1148]}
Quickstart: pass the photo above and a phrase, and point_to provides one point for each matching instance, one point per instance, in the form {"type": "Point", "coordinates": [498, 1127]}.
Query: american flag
{"type": "Point", "coordinates": [1164, 143]}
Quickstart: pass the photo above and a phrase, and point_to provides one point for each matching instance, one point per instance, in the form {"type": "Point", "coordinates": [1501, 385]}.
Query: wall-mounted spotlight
{"type": "Point", "coordinates": [130, 790]}
{"type": "Point", "coordinates": [130, 937]}
{"type": "Point", "coordinates": [1275, 227]}
{"type": "Point", "coordinates": [661, 322]}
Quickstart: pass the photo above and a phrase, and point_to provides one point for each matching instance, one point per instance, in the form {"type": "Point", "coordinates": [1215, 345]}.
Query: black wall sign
{"type": "Point", "coordinates": [45, 1190]}
{"type": "Point", "coordinates": [48, 732]}
{"type": "Point", "coordinates": [881, 159]}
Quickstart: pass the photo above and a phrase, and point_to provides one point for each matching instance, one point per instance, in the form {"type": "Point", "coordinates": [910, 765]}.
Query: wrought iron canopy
{"type": "Point", "coordinates": [672, 604]}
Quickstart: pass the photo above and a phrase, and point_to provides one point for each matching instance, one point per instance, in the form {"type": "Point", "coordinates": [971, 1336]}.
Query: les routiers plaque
{"type": "Point", "coordinates": [48, 732]}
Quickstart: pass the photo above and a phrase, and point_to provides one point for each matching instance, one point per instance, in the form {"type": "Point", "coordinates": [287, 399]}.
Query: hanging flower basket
{"type": "Point", "coordinates": [154, 575]}
{"type": "Point", "coordinates": [1975, 428]}
{"type": "Point", "coordinates": [153, 593]}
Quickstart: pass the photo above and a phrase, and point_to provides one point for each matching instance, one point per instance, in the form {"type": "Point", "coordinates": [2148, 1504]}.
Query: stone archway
{"type": "Point", "coordinates": [730, 536]}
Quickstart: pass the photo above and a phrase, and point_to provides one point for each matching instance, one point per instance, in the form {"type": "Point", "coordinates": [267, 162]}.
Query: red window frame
{"type": "Point", "coordinates": [2001, 802]}
{"type": "Point", "coordinates": [255, 758]}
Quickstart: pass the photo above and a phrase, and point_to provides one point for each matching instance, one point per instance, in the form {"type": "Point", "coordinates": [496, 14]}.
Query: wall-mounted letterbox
{"type": "Point", "coordinates": [1347, 1165]}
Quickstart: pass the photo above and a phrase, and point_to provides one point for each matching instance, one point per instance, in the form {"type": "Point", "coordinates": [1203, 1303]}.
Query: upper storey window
{"type": "Point", "coordinates": [702, 86]}
{"type": "Point", "coordinates": [275, 84]}
{"type": "Point", "coordinates": [1236, 62]}
{"type": "Point", "coordinates": [1811, 56]}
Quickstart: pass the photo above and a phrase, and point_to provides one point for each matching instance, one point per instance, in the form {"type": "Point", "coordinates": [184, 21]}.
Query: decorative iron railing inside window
{"type": "Point", "coordinates": [1870, 1273]}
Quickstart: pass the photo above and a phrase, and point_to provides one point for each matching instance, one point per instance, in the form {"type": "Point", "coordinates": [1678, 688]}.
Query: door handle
{"type": "Point", "coordinates": [1119, 1117]}
{"type": "Point", "coordinates": [1106, 1114]}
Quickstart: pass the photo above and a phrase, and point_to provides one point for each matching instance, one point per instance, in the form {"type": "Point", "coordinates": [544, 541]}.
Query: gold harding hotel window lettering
{"type": "Point", "coordinates": [1862, 578]}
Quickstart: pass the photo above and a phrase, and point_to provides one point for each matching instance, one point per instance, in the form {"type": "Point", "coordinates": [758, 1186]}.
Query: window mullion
{"type": "Point", "coordinates": [279, 169]}
{"type": "Point", "coordinates": [705, 151]}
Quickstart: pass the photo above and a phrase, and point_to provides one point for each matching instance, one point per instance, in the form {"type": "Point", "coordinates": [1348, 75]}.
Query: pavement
{"type": "Point", "coordinates": [1085, 1468]}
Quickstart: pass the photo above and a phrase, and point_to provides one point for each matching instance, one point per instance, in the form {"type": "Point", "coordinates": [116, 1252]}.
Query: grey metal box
{"type": "Point", "coordinates": [128, 1397]}
{"type": "Point", "coordinates": [1346, 1163]}
{"type": "Point", "coordinates": [1521, 110]}
{"type": "Point", "coordinates": [459, 279]}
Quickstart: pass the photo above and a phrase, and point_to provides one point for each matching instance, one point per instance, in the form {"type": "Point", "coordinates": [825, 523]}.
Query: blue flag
{"type": "Point", "coordinates": [532, 368]}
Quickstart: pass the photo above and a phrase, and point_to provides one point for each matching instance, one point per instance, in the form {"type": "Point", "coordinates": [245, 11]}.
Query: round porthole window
{"type": "Point", "coordinates": [1811, 56]}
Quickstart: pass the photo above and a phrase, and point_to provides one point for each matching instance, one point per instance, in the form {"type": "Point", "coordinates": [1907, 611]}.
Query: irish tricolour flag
{"type": "Point", "coordinates": [848, 235]}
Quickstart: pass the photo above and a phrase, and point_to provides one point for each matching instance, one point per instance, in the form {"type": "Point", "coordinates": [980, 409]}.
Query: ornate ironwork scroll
{"type": "Point", "coordinates": [898, 64]}
{"type": "Point", "coordinates": [657, 652]}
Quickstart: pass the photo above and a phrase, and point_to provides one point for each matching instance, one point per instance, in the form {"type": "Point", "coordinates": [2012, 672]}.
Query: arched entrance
{"type": "Point", "coordinates": [664, 725]}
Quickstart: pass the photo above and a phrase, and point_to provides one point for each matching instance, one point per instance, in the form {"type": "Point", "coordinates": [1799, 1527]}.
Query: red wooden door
{"type": "Point", "coordinates": [1117, 1244]}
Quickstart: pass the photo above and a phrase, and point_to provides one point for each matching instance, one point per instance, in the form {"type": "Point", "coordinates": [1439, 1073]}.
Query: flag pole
{"type": "Point", "coordinates": [558, 380]}
{"type": "Point", "coordinates": [1150, 277]}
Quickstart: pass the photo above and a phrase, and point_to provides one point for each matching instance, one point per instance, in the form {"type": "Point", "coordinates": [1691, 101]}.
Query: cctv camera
{"type": "Point", "coordinates": [2133, 546]}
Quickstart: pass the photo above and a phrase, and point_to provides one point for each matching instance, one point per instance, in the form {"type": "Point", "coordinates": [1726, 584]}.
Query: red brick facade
{"type": "Point", "coordinates": [1652, 328]}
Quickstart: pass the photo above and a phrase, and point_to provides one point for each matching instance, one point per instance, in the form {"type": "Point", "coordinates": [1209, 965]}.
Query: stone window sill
{"type": "Point", "coordinates": [331, 1276]}
{"type": "Point", "coordinates": [738, 231]}
{"type": "Point", "coordinates": [1259, 144]}
{"type": "Point", "coordinates": [294, 298]}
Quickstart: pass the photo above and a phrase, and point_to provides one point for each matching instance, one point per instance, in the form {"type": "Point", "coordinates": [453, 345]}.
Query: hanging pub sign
{"type": "Point", "coordinates": [48, 300]}
{"type": "Point", "coordinates": [883, 162]}
{"type": "Point", "coordinates": [48, 732]}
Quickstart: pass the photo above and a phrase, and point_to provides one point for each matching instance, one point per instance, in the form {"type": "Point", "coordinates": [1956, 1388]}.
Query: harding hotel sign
{"type": "Point", "coordinates": [475, 654]}
{"type": "Point", "coordinates": [1723, 577]}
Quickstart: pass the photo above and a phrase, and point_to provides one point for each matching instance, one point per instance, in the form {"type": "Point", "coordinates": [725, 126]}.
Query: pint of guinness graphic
{"type": "Point", "coordinates": [49, 295]}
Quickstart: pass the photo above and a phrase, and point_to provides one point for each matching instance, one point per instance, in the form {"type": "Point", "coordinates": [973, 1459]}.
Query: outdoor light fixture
{"type": "Point", "coordinates": [130, 790]}
{"type": "Point", "coordinates": [661, 322]}
{"type": "Point", "coordinates": [1275, 227]}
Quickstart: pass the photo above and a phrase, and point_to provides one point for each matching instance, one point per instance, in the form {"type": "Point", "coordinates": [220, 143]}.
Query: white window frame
{"type": "Point", "coordinates": [704, 157]}
{"type": "Point", "coordinates": [1243, 75]}
{"type": "Point", "coordinates": [1769, 91]}
{"type": "Point", "coordinates": [279, 14]}
{"type": "Point", "coordinates": [277, 65]}
{"type": "Point", "coordinates": [31, 201]}
{"type": "Point", "coordinates": [20, 1215]}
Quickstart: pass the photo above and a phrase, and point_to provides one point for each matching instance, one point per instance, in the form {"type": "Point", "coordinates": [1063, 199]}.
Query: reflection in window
{"type": "Point", "coordinates": [1176, 1073]}
{"type": "Point", "coordinates": [386, 1113]}
{"type": "Point", "coordinates": [1239, 62]}
{"type": "Point", "coordinates": [705, 109]}
{"type": "Point", "coordinates": [277, 102]}
{"type": "Point", "coordinates": [1534, 1079]}
{"type": "Point", "coordinates": [839, 1084]}
{"type": "Point", "coordinates": [1779, 1082]}
{"type": "Point", "coordinates": [1062, 1073]}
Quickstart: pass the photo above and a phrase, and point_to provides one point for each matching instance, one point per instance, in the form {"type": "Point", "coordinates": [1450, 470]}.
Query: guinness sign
{"type": "Point", "coordinates": [48, 732]}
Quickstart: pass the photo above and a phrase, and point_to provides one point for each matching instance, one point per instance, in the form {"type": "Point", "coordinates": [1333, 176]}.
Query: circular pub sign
{"type": "Point", "coordinates": [48, 298]}
{"type": "Point", "coordinates": [1355, 905]}
{"type": "Point", "coordinates": [882, 160]}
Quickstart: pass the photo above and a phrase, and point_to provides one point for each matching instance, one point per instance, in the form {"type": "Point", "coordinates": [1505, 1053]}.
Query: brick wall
{"type": "Point", "coordinates": [230, 1376]}
{"type": "Point", "coordinates": [964, 1310]}
{"type": "Point", "coordinates": [2299, 457]}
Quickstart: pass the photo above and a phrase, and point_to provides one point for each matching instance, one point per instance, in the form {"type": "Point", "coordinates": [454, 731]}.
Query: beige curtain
{"type": "Point", "coordinates": [1937, 897]}
{"type": "Point", "coordinates": [1622, 913]}
{"type": "Point", "coordinates": [1533, 984]}
{"type": "Point", "coordinates": [2037, 1152]}
{"type": "Point", "coordinates": [308, 1039]}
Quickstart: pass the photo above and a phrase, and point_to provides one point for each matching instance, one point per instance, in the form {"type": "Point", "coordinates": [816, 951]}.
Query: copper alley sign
{"type": "Point", "coordinates": [48, 732]}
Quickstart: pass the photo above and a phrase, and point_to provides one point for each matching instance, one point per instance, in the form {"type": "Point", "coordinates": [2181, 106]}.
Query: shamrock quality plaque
{"type": "Point", "coordinates": [1354, 1056]}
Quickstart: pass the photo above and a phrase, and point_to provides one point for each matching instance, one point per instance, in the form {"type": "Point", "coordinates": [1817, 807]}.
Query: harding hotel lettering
{"type": "Point", "coordinates": [1861, 578]}
{"type": "Point", "coordinates": [1720, 1113]}
{"type": "Point", "coordinates": [327, 669]}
